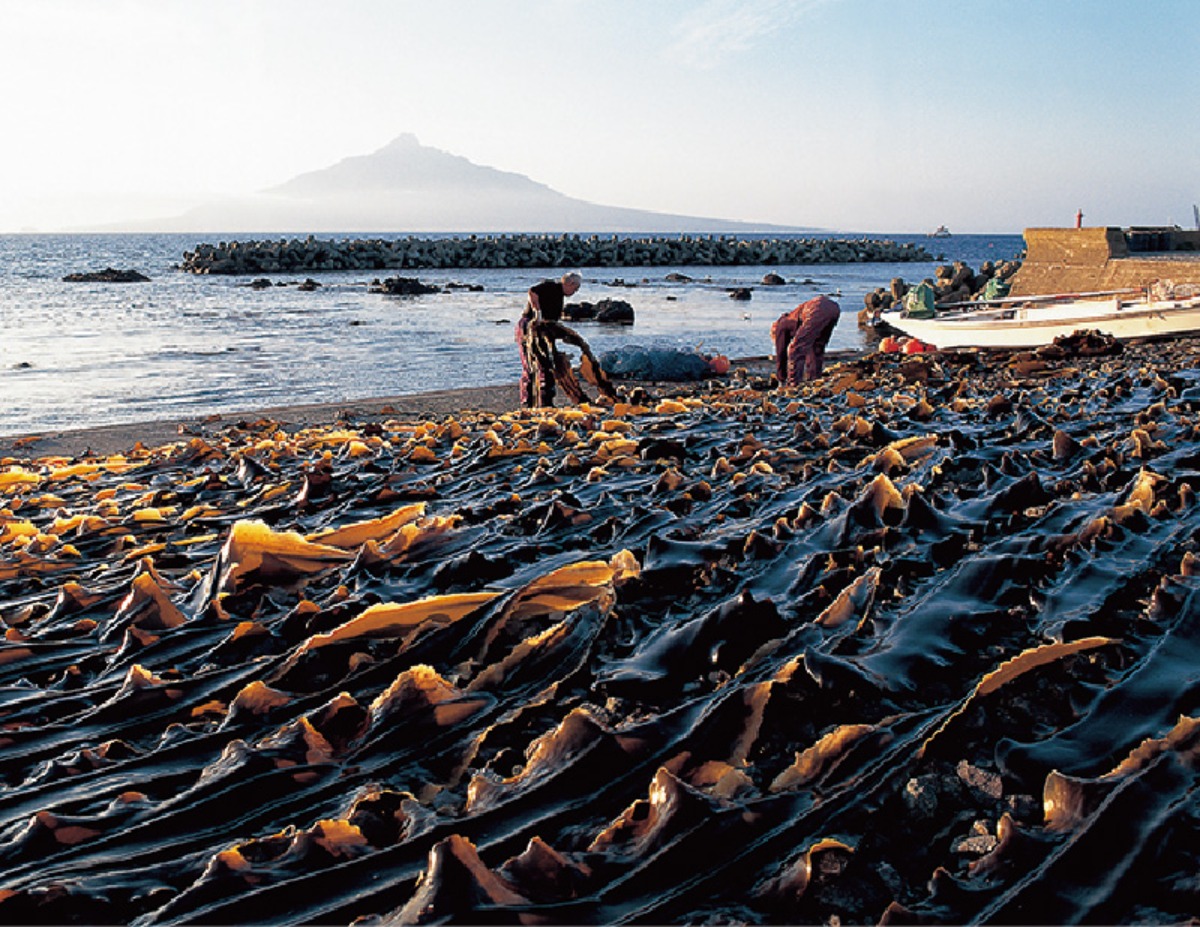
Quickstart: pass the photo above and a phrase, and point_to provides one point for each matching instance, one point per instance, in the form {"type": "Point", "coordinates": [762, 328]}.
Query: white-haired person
{"type": "Point", "coordinates": [542, 364]}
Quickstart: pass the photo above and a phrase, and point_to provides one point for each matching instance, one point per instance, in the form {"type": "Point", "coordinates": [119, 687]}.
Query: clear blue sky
{"type": "Point", "coordinates": [856, 115]}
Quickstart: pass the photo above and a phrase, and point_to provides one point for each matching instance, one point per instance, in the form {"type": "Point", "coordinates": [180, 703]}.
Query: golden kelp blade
{"type": "Point", "coordinates": [422, 691]}
{"type": "Point", "coordinates": [1016, 667]}
{"type": "Point", "coordinates": [18, 477]}
{"type": "Point", "coordinates": [594, 374]}
{"type": "Point", "coordinates": [254, 546]}
{"type": "Point", "coordinates": [822, 756]}
{"type": "Point", "coordinates": [1141, 495]}
{"type": "Point", "coordinates": [1069, 801]}
{"type": "Point", "coordinates": [1183, 738]}
{"type": "Point", "coordinates": [411, 535]}
{"type": "Point", "coordinates": [571, 586]}
{"type": "Point", "coordinates": [148, 605]}
{"type": "Point", "coordinates": [393, 619]}
{"type": "Point", "coordinates": [357, 534]}
{"type": "Point", "coordinates": [794, 882]}
{"type": "Point", "coordinates": [1033, 658]}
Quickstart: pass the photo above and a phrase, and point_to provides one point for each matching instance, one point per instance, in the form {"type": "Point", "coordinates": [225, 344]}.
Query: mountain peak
{"type": "Point", "coordinates": [404, 142]}
{"type": "Point", "coordinates": [404, 164]}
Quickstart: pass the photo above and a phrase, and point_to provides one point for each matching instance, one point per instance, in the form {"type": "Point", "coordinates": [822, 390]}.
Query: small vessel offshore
{"type": "Point", "coordinates": [940, 232]}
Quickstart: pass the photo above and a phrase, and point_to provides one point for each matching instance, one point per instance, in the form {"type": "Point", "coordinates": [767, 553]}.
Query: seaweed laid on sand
{"type": "Point", "coordinates": [911, 643]}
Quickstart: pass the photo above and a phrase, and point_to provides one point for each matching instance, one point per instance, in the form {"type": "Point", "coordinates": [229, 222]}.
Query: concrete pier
{"type": "Point", "coordinates": [1105, 258]}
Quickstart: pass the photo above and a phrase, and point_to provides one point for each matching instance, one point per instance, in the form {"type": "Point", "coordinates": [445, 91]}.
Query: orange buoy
{"type": "Point", "coordinates": [719, 364]}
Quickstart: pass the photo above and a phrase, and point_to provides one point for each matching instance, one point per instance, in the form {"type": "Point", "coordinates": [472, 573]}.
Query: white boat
{"type": "Point", "coordinates": [940, 232]}
{"type": "Point", "coordinates": [1030, 322]}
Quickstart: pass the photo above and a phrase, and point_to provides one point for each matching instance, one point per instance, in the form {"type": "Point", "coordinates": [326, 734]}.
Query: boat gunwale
{"type": "Point", "coordinates": [959, 320]}
{"type": "Point", "coordinates": [985, 329]}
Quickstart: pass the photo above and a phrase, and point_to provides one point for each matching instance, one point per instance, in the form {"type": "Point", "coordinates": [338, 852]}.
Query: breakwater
{"type": "Point", "coordinates": [1106, 258]}
{"type": "Point", "coordinates": [503, 251]}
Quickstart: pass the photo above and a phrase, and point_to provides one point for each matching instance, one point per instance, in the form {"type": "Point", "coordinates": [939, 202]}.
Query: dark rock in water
{"type": "Point", "coordinates": [773, 279]}
{"type": "Point", "coordinates": [582, 311]}
{"type": "Point", "coordinates": [108, 275]}
{"type": "Point", "coordinates": [740, 293]}
{"type": "Point", "coordinates": [402, 286]}
{"type": "Point", "coordinates": [260, 283]}
{"type": "Point", "coordinates": [614, 311]}
{"type": "Point", "coordinates": [308, 285]}
{"type": "Point", "coordinates": [677, 278]}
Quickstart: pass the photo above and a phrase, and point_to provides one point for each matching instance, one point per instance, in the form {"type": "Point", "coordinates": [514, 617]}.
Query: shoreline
{"type": "Point", "coordinates": [104, 440]}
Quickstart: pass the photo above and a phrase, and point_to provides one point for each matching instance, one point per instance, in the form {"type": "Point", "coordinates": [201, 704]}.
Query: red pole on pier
{"type": "Point", "coordinates": [1079, 219]}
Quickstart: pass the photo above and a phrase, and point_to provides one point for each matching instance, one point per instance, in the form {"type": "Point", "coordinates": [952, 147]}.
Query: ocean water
{"type": "Point", "coordinates": [75, 355]}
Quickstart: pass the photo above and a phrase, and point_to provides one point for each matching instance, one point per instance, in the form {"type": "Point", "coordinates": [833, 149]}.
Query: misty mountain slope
{"type": "Point", "coordinates": [406, 165]}
{"type": "Point", "coordinates": [409, 187]}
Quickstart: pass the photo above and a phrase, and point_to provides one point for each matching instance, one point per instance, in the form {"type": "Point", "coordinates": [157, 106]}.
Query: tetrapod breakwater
{"type": "Point", "coordinates": [298, 255]}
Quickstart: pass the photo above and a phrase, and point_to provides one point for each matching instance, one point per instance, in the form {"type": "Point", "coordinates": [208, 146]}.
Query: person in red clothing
{"type": "Point", "coordinates": [800, 338]}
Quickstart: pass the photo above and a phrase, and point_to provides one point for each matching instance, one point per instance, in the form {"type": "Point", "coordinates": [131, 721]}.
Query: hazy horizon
{"type": "Point", "coordinates": [843, 115]}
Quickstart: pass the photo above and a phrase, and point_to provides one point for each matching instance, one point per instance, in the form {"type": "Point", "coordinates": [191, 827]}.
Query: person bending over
{"type": "Point", "coordinates": [542, 364]}
{"type": "Point", "coordinates": [800, 338]}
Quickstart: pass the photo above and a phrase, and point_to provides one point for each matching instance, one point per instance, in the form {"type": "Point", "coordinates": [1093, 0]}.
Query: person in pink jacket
{"type": "Point", "coordinates": [800, 338]}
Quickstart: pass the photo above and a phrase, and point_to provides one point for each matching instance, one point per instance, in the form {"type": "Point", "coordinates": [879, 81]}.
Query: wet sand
{"type": "Point", "coordinates": [914, 643]}
{"type": "Point", "coordinates": [113, 439]}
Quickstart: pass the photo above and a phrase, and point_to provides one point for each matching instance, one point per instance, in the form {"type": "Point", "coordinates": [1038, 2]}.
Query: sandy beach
{"type": "Point", "coordinates": [113, 439]}
{"type": "Point", "coordinates": [911, 643]}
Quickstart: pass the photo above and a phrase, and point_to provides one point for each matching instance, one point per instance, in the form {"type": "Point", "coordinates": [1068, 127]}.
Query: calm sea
{"type": "Point", "coordinates": [75, 355]}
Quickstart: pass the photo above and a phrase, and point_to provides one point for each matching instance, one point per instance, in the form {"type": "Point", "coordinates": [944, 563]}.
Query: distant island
{"type": "Point", "coordinates": [409, 187]}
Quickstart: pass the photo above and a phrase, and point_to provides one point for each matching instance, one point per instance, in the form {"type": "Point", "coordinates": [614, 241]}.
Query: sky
{"type": "Point", "coordinates": [850, 115]}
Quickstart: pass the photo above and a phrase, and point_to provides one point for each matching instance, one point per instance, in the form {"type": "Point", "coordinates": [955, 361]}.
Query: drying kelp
{"type": "Point", "coordinates": [912, 643]}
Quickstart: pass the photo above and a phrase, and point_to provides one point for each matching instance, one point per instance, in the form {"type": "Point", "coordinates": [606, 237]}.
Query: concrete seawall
{"type": "Point", "coordinates": [312, 254]}
{"type": "Point", "coordinates": [1105, 258]}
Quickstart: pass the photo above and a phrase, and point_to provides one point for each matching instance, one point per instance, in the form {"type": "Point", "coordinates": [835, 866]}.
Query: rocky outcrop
{"type": "Point", "coordinates": [955, 282]}
{"type": "Point", "coordinates": [613, 311]}
{"type": "Point", "coordinates": [958, 283]}
{"type": "Point", "coordinates": [312, 254]}
{"type": "Point", "coordinates": [108, 275]}
{"type": "Point", "coordinates": [402, 286]}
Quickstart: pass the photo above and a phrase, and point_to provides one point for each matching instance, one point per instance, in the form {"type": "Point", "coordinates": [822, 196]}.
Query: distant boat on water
{"type": "Point", "coordinates": [940, 232]}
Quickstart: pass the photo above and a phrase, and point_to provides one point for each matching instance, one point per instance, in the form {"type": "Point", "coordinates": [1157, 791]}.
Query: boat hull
{"type": "Point", "coordinates": [1037, 325]}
